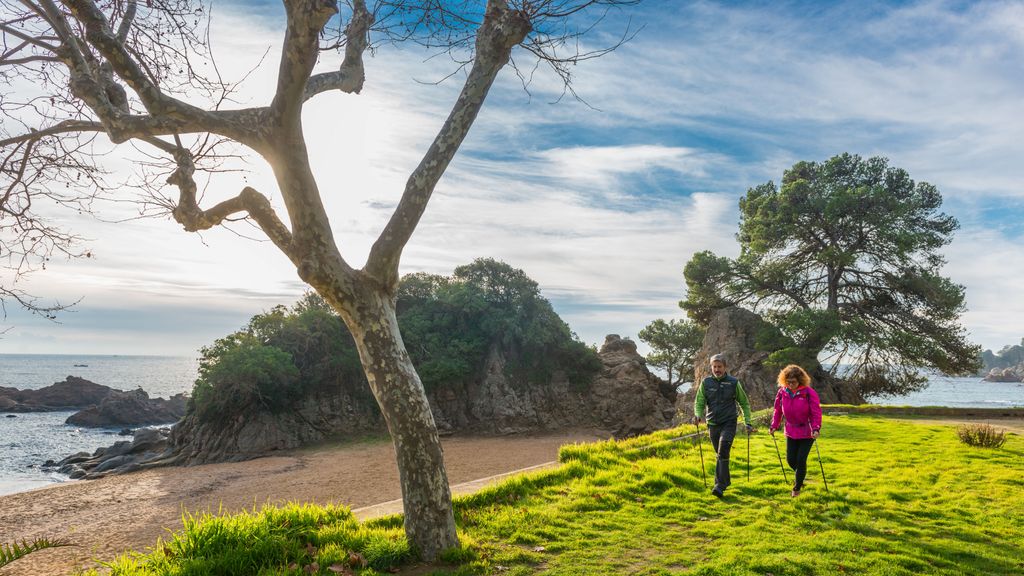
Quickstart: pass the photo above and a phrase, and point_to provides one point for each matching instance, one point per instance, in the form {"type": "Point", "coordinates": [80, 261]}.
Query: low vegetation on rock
{"type": "Point", "coordinates": [449, 325]}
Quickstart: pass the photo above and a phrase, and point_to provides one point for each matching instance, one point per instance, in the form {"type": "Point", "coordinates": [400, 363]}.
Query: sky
{"type": "Point", "coordinates": [601, 201]}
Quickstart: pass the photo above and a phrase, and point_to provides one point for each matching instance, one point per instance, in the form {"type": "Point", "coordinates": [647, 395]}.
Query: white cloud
{"type": "Point", "coordinates": [603, 206]}
{"type": "Point", "coordinates": [989, 264]}
{"type": "Point", "coordinates": [609, 165]}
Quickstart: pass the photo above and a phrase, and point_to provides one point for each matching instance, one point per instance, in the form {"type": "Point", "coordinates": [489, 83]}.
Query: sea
{"type": "Point", "coordinates": [28, 440]}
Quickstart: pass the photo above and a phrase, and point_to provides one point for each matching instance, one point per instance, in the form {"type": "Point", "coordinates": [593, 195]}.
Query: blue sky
{"type": "Point", "coordinates": [603, 203]}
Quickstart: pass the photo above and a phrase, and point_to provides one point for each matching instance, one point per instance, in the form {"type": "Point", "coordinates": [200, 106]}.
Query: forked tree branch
{"type": "Point", "coordinates": [502, 30]}
{"type": "Point", "coordinates": [249, 201]}
{"type": "Point", "coordinates": [349, 78]}
{"type": "Point", "coordinates": [306, 19]}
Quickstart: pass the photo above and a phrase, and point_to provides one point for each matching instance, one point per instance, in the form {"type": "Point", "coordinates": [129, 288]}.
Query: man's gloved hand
{"type": "Point", "coordinates": [696, 420]}
{"type": "Point", "coordinates": [750, 429]}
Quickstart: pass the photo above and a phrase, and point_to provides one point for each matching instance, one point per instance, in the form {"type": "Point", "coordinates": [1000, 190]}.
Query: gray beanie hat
{"type": "Point", "coordinates": [717, 358]}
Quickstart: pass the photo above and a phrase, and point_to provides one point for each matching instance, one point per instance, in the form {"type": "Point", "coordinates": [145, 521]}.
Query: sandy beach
{"type": "Point", "coordinates": [113, 515]}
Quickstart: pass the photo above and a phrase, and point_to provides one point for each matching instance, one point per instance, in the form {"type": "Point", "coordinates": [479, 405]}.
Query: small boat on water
{"type": "Point", "coordinates": [81, 365]}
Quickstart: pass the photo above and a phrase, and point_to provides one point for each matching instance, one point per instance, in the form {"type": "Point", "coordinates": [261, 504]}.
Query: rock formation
{"type": "Point", "coordinates": [147, 445]}
{"type": "Point", "coordinates": [737, 334]}
{"type": "Point", "coordinates": [624, 399]}
{"type": "Point", "coordinates": [134, 408]}
{"type": "Point", "coordinates": [1011, 374]}
{"type": "Point", "coordinates": [99, 406]}
{"type": "Point", "coordinates": [71, 394]}
{"type": "Point", "coordinates": [248, 435]}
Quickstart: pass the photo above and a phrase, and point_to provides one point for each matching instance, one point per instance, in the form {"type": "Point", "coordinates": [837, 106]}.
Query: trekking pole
{"type": "Point", "coordinates": [821, 465]}
{"type": "Point", "coordinates": [779, 454]}
{"type": "Point", "coordinates": [748, 454]}
{"type": "Point", "coordinates": [700, 445]}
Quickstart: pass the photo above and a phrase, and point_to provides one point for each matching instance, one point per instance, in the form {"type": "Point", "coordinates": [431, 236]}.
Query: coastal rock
{"type": "Point", "coordinates": [255, 433]}
{"type": "Point", "coordinates": [1011, 374]}
{"type": "Point", "coordinates": [737, 334]}
{"type": "Point", "coordinates": [624, 399]}
{"type": "Point", "coordinates": [134, 408]}
{"type": "Point", "coordinates": [496, 403]}
{"type": "Point", "coordinates": [71, 394]}
{"type": "Point", "coordinates": [147, 446]}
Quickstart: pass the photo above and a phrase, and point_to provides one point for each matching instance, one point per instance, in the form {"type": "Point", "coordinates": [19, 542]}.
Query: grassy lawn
{"type": "Point", "coordinates": [906, 498]}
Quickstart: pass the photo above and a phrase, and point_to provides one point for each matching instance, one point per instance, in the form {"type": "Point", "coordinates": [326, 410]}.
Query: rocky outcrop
{"type": "Point", "coordinates": [1011, 374]}
{"type": "Point", "coordinates": [71, 394]}
{"type": "Point", "coordinates": [254, 433]}
{"type": "Point", "coordinates": [134, 408]}
{"type": "Point", "coordinates": [739, 334]}
{"type": "Point", "coordinates": [624, 399]}
{"type": "Point", "coordinates": [147, 445]}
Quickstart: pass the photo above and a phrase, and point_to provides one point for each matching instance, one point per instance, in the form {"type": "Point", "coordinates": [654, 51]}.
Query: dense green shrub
{"type": "Point", "coordinates": [239, 372]}
{"type": "Point", "coordinates": [981, 435]}
{"type": "Point", "coordinates": [449, 325]}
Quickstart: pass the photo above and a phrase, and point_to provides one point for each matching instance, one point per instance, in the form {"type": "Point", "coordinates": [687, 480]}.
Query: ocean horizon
{"type": "Point", "coordinates": [27, 440]}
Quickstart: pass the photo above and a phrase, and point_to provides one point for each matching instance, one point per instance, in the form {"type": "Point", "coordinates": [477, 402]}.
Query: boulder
{"type": "Point", "coordinates": [146, 447]}
{"type": "Point", "coordinates": [738, 334]}
{"type": "Point", "coordinates": [134, 408]}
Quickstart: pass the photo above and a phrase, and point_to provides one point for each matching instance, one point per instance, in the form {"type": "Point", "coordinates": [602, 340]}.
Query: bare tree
{"type": "Point", "coordinates": [104, 73]}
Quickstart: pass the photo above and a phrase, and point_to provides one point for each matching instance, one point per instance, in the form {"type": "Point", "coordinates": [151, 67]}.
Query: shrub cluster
{"type": "Point", "coordinates": [981, 435]}
{"type": "Point", "coordinates": [449, 326]}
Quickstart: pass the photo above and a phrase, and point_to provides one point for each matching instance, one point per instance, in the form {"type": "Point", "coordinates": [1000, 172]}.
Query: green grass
{"type": "Point", "coordinates": [905, 499]}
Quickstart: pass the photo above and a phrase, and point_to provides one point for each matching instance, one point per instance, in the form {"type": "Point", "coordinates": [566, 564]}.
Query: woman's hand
{"type": "Point", "coordinates": [814, 433]}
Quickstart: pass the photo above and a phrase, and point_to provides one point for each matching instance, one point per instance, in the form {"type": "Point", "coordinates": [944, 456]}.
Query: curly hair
{"type": "Point", "coordinates": [794, 371]}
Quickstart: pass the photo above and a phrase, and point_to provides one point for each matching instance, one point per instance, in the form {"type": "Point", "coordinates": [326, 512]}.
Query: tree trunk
{"type": "Point", "coordinates": [427, 500]}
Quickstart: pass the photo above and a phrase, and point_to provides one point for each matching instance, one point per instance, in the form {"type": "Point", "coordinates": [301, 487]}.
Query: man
{"type": "Point", "coordinates": [716, 401]}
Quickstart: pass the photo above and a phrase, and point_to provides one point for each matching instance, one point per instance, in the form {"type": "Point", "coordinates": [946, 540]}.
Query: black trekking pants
{"type": "Point", "coordinates": [721, 439]}
{"type": "Point", "coordinates": [797, 450]}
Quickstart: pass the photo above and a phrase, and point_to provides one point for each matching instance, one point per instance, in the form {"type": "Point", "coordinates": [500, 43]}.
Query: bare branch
{"type": "Point", "coordinates": [193, 218]}
{"type": "Point", "coordinates": [126, 21]}
{"type": "Point", "coordinates": [59, 128]}
{"type": "Point", "coordinates": [299, 54]}
{"type": "Point", "coordinates": [352, 74]}
{"type": "Point", "coordinates": [31, 40]}
{"type": "Point", "coordinates": [502, 30]}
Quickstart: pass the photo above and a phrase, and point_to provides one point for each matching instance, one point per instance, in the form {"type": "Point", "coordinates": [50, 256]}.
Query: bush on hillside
{"type": "Point", "coordinates": [981, 435]}
{"type": "Point", "coordinates": [449, 325]}
{"type": "Point", "coordinates": [238, 373]}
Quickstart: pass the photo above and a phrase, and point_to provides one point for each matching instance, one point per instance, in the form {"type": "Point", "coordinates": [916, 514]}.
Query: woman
{"type": "Point", "coordinates": [799, 403]}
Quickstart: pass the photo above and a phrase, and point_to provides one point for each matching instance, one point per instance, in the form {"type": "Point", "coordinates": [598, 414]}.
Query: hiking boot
{"type": "Point", "coordinates": [794, 493]}
{"type": "Point", "coordinates": [716, 492]}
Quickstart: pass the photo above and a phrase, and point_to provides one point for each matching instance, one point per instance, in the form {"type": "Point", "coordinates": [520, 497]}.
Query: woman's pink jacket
{"type": "Point", "coordinates": [802, 410]}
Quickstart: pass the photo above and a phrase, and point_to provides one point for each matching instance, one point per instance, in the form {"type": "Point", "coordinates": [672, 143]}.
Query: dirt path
{"type": "Point", "coordinates": [1015, 425]}
{"type": "Point", "coordinates": [112, 515]}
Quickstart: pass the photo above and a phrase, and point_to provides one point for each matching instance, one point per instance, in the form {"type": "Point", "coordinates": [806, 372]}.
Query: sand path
{"type": "Point", "coordinates": [112, 515]}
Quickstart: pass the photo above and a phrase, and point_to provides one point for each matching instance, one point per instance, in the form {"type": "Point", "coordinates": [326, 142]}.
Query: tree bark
{"type": "Point", "coordinates": [429, 520]}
